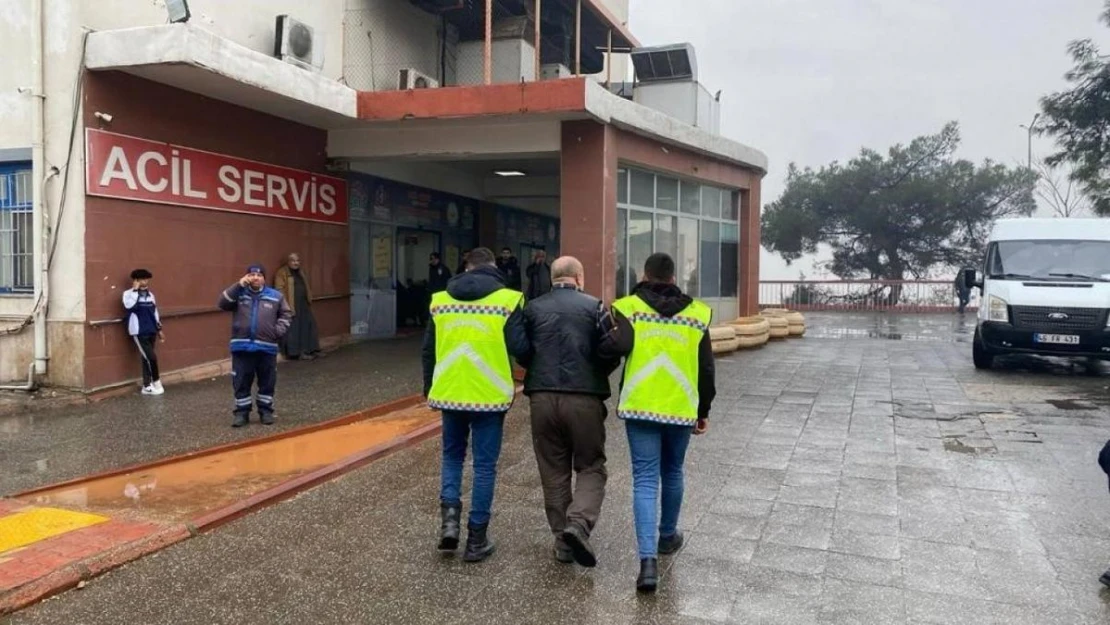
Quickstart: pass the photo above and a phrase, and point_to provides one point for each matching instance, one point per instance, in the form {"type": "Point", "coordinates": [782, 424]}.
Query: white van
{"type": "Point", "coordinates": [1045, 286]}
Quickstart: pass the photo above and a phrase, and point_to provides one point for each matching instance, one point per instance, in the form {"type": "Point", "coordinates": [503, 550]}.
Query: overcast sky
{"type": "Point", "coordinates": [811, 81]}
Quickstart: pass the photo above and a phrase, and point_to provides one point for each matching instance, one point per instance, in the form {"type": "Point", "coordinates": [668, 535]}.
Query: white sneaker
{"type": "Point", "coordinates": [158, 387]}
{"type": "Point", "coordinates": [149, 390]}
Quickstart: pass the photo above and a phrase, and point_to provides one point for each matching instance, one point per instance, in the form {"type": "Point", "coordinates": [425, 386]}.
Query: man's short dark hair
{"type": "Point", "coordinates": [434, 255]}
{"type": "Point", "coordinates": [141, 274]}
{"type": "Point", "coordinates": [480, 257]}
{"type": "Point", "coordinates": [659, 267]}
{"type": "Point", "coordinates": [506, 249]}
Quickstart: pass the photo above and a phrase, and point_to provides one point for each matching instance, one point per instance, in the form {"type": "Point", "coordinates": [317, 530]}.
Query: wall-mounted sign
{"type": "Point", "coordinates": [130, 168]}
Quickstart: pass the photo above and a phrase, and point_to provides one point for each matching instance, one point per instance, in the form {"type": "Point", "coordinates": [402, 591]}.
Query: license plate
{"type": "Point", "coordinates": [1059, 339]}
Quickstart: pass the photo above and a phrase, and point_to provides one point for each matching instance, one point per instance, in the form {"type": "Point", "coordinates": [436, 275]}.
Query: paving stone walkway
{"type": "Point", "coordinates": [864, 474]}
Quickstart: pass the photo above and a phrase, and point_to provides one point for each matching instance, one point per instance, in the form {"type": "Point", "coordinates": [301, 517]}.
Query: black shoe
{"type": "Point", "coordinates": [478, 545]}
{"type": "Point", "coordinates": [579, 543]}
{"type": "Point", "coordinates": [563, 554]}
{"type": "Point", "coordinates": [1105, 579]}
{"type": "Point", "coordinates": [449, 527]}
{"type": "Point", "coordinates": [671, 544]}
{"type": "Point", "coordinates": [267, 418]}
{"type": "Point", "coordinates": [240, 420]}
{"type": "Point", "coordinates": [649, 575]}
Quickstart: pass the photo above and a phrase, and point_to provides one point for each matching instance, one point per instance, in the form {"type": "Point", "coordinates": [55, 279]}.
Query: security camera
{"type": "Point", "coordinates": [104, 117]}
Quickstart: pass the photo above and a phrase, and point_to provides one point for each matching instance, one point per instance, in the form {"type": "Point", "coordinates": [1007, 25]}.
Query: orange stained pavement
{"type": "Point", "coordinates": [185, 489]}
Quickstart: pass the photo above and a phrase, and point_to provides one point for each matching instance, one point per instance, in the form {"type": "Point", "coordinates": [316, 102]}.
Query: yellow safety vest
{"type": "Point", "coordinates": [661, 374]}
{"type": "Point", "coordinates": [473, 372]}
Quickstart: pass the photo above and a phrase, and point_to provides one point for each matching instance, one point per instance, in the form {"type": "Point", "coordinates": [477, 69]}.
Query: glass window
{"type": "Point", "coordinates": [730, 259]}
{"type": "Point", "coordinates": [691, 198]}
{"type": "Point", "coordinates": [666, 236]}
{"type": "Point", "coordinates": [687, 259]}
{"type": "Point", "coordinates": [666, 193]}
{"type": "Point", "coordinates": [729, 206]}
{"type": "Point", "coordinates": [623, 288]}
{"type": "Point", "coordinates": [710, 259]}
{"type": "Point", "coordinates": [642, 192]}
{"type": "Point", "coordinates": [711, 201]}
{"type": "Point", "coordinates": [360, 254]}
{"type": "Point", "coordinates": [622, 185]}
{"type": "Point", "coordinates": [639, 243]}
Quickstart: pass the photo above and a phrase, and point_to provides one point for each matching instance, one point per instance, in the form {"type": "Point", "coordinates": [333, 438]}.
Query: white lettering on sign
{"type": "Point", "coordinates": [138, 169]}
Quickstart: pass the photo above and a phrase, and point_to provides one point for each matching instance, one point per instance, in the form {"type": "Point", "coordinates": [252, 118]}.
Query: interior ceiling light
{"type": "Point", "coordinates": [509, 172]}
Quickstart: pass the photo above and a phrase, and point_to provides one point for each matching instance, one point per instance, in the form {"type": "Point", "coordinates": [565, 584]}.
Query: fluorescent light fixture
{"type": "Point", "coordinates": [178, 11]}
{"type": "Point", "coordinates": [506, 173]}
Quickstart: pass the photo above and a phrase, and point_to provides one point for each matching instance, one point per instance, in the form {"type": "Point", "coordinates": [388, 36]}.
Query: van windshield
{"type": "Point", "coordinates": [1087, 261]}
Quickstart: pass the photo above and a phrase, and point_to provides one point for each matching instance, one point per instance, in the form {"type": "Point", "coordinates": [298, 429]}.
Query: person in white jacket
{"type": "Point", "coordinates": [144, 325]}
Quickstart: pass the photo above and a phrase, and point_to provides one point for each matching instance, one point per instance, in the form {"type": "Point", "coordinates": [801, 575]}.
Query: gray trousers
{"type": "Point", "coordinates": [568, 435]}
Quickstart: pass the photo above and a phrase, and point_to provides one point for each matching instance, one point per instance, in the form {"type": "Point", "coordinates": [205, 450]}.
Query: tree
{"type": "Point", "coordinates": [1079, 120]}
{"type": "Point", "coordinates": [890, 217]}
{"type": "Point", "coordinates": [1059, 191]}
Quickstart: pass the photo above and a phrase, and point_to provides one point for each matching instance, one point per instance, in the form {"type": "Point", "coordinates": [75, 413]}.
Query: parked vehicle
{"type": "Point", "coordinates": [1045, 286]}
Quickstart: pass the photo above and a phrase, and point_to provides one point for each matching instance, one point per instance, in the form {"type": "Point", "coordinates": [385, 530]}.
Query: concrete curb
{"type": "Point", "coordinates": [70, 575]}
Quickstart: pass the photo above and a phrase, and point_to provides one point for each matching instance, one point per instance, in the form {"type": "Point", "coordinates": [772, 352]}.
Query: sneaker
{"type": "Point", "coordinates": [158, 387]}
{"type": "Point", "coordinates": [149, 390]}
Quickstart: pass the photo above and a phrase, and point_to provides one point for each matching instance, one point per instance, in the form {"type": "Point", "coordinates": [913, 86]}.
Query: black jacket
{"type": "Point", "coordinates": [510, 269]}
{"type": "Point", "coordinates": [564, 332]}
{"type": "Point", "coordinates": [539, 280]}
{"type": "Point", "coordinates": [667, 300]}
{"type": "Point", "coordinates": [438, 275]}
{"type": "Point", "coordinates": [470, 286]}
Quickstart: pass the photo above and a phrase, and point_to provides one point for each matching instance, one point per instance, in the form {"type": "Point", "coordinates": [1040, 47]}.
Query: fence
{"type": "Point", "coordinates": [864, 295]}
{"type": "Point", "coordinates": [16, 274]}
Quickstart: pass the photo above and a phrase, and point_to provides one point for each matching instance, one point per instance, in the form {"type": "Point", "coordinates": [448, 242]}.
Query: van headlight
{"type": "Point", "coordinates": [998, 310]}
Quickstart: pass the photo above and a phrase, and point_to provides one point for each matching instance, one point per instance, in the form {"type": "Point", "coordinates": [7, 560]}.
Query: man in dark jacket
{"type": "Point", "coordinates": [260, 319]}
{"type": "Point", "coordinates": [667, 388]}
{"type": "Point", "coordinates": [475, 328]}
{"type": "Point", "coordinates": [438, 274]}
{"type": "Point", "coordinates": [539, 276]}
{"type": "Point", "coordinates": [1104, 463]}
{"type": "Point", "coordinates": [510, 268]}
{"type": "Point", "coordinates": [568, 384]}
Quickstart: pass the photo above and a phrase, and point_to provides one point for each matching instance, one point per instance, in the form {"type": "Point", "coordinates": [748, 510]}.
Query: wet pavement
{"type": "Point", "coordinates": [865, 474]}
{"type": "Point", "coordinates": [46, 447]}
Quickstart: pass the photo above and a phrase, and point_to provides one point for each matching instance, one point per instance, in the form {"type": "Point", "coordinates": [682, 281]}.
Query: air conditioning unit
{"type": "Point", "coordinates": [296, 42]}
{"type": "Point", "coordinates": [409, 78]}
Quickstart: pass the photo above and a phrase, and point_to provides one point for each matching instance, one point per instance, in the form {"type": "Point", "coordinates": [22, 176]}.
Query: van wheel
{"type": "Point", "coordinates": [980, 355]}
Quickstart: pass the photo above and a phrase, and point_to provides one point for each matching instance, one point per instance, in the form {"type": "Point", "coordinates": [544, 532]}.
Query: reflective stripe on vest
{"type": "Point", "coordinates": [473, 372]}
{"type": "Point", "coordinates": [661, 374]}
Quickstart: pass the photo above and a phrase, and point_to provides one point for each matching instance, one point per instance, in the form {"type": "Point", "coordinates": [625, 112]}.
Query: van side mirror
{"type": "Point", "coordinates": [971, 279]}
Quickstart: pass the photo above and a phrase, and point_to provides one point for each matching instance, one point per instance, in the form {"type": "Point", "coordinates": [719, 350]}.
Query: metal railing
{"type": "Point", "coordinates": [16, 257]}
{"type": "Point", "coordinates": [862, 295]}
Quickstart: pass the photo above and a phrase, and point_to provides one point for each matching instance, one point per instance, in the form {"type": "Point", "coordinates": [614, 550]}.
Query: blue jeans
{"type": "Point", "coordinates": [486, 428]}
{"type": "Point", "coordinates": [658, 453]}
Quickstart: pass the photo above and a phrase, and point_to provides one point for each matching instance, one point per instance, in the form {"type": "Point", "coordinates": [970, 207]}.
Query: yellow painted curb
{"type": "Point", "coordinates": [30, 526]}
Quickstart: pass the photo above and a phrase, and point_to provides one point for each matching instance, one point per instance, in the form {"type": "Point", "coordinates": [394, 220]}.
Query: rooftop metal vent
{"type": "Point", "coordinates": [662, 63]}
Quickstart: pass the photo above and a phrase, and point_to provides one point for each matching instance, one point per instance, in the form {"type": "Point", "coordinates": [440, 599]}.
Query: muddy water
{"type": "Point", "coordinates": [185, 489]}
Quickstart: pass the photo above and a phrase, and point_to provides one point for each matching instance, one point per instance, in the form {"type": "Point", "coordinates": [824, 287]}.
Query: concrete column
{"type": "Point", "coordinates": [749, 249]}
{"type": "Point", "coordinates": [588, 203]}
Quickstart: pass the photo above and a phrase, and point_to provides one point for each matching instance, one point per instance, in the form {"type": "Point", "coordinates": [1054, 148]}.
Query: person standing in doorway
{"type": "Point", "coordinates": [475, 328]}
{"type": "Point", "coordinates": [567, 384]}
{"type": "Point", "coordinates": [539, 276]}
{"type": "Point", "coordinates": [438, 274]}
{"type": "Point", "coordinates": [510, 268]}
{"type": "Point", "coordinates": [260, 319]}
{"type": "Point", "coordinates": [303, 339]}
{"type": "Point", "coordinates": [666, 391]}
{"type": "Point", "coordinates": [144, 325]}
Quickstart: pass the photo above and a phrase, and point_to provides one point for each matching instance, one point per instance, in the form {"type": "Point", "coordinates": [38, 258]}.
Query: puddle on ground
{"type": "Point", "coordinates": [1070, 404]}
{"type": "Point", "coordinates": [187, 488]}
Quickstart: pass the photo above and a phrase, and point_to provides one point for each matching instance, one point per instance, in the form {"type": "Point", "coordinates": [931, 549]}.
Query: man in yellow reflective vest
{"type": "Point", "coordinates": [666, 390]}
{"type": "Point", "coordinates": [476, 325]}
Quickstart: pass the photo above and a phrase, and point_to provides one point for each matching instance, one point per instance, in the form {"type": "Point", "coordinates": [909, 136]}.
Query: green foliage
{"type": "Point", "coordinates": [903, 214]}
{"type": "Point", "coordinates": [1079, 120]}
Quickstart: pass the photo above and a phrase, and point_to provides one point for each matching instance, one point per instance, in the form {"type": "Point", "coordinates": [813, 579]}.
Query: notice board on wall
{"type": "Point", "coordinates": [382, 254]}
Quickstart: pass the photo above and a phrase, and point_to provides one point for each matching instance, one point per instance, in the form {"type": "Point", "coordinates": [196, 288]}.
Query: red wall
{"type": "Point", "coordinates": [194, 253]}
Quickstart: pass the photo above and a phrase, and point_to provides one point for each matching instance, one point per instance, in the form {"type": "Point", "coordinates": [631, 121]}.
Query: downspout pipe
{"type": "Point", "coordinates": [39, 230]}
